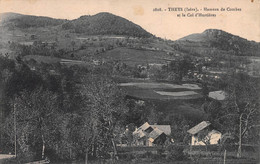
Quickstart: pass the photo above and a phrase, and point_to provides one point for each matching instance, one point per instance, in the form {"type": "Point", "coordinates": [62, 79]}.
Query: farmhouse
{"type": "Point", "coordinates": [203, 134]}
{"type": "Point", "coordinates": [151, 135]}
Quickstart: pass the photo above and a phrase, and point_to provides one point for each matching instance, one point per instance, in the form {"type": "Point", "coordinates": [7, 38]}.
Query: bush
{"type": "Point", "coordinates": [24, 157]}
{"type": "Point", "coordinates": [175, 152]}
{"type": "Point", "coordinates": [157, 156]}
{"type": "Point", "coordinates": [148, 154]}
{"type": "Point", "coordinates": [130, 157]}
{"type": "Point", "coordinates": [9, 161]}
{"type": "Point", "coordinates": [127, 156]}
{"type": "Point", "coordinates": [160, 151]}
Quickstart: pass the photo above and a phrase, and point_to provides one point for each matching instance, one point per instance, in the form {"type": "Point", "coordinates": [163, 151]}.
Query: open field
{"type": "Point", "coordinates": [170, 99]}
{"type": "Point", "coordinates": [183, 93]}
{"type": "Point", "coordinates": [161, 91]}
{"type": "Point", "coordinates": [51, 60]}
{"type": "Point", "coordinates": [154, 85]}
{"type": "Point", "coordinates": [134, 57]}
{"type": "Point", "coordinates": [42, 59]}
{"type": "Point", "coordinates": [158, 95]}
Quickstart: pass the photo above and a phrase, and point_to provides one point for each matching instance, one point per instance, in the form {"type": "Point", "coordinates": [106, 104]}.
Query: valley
{"type": "Point", "coordinates": [83, 81]}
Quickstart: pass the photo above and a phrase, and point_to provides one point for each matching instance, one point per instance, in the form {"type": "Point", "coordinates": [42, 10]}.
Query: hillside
{"type": "Point", "coordinates": [105, 24]}
{"type": "Point", "coordinates": [222, 41]}
{"type": "Point", "coordinates": [14, 20]}
{"type": "Point", "coordinates": [82, 32]}
{"type": "Point", "coordinates": [99, 24]}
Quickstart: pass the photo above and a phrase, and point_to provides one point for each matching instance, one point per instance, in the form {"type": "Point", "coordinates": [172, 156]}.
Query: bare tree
{"type": "Point", "coordinates": [241, 110]}
{"type": "Point", "coordinates": [36, 120]}
{"type": "Point", "coordinates": [104, 102]}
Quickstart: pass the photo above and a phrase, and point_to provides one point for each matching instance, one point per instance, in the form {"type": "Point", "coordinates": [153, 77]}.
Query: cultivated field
{"type": "Point", "coordinates": [50, 60]}
{"type": "Point", "coordinates": [170, 99]}
{"type": "Point", "coordinates": [161, 91]}
{"type": "Point", "coordinates": [158, 85]}
{"type": "Point", "coordinates": [134, 57]}
{"type": "Point", "coordinates": [183, 93]}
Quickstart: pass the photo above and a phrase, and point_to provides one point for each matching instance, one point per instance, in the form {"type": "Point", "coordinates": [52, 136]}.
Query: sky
{"type": "Point", "coordinates": [165, 24]}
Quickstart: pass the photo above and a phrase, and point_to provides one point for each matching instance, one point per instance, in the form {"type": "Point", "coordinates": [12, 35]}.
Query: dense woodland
{"type": "Point", "coordinates": [83, 111]}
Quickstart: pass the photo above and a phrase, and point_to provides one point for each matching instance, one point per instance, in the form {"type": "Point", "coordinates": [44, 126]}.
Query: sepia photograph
{"type": "Point", "coordinates": [130, 82]}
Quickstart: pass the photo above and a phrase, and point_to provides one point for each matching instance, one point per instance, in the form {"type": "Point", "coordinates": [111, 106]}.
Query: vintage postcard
{"type": "Point", "coordinates": [135, 82]}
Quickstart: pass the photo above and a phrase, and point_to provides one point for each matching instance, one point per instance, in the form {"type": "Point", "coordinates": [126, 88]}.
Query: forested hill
{"type": "Point", "coordinates": [224, 41]}
{"type": "Point", "coordinates": [15, 20]}
{"type": "Point", "coordinates": [105, 24]}
{"type": "Point", "coordinates": [99, 24]}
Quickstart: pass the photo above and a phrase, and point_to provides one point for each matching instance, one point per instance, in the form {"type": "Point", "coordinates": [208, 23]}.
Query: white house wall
{"type": "Point", "coordinates": [214, 137]}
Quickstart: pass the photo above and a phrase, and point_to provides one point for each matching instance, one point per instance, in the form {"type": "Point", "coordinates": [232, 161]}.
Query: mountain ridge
{"type": "Point", "coordinates": [103, 23]}
{"type": "Point", "coordinates": [222, 40]}
{"type": "Point", "coordinates": [213, 32]}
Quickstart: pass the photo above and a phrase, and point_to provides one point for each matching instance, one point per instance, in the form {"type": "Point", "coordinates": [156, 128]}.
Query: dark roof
{"type": "Point", "coordinates": [139, 134]}
{"type": "Point", "coordinates": [155, 134]}
{"type": "Point", "coordinates": [199, 127]}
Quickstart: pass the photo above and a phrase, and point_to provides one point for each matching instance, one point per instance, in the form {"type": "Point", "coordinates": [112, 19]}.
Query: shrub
{"type": "Point", "coordinates": [127, 156]}
{"type": "Point", "coordinates": [175, 152]}
{"type": "Point", "coordinates": [160, 151]}
{"type": "Point", "coordinates": [148, 154]}
{"type": "Point", "coordinates": [156, 156]}
{"type": "Point", "coordinates": [25, 157]}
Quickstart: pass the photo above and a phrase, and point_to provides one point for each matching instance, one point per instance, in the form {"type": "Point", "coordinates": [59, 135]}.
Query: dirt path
{"type": "Point", "coordinates": [5, 156]}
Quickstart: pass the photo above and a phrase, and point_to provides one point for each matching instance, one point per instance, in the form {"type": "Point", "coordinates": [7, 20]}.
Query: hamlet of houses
{"type": "Point", "coordinates": [155, 135]}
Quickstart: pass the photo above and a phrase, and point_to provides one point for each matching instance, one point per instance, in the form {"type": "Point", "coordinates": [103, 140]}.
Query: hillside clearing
{"type": "Point", "coordinates": [51, 60]}
{"type": "Point", "coordinates": [134, 57]}
{"type": "Point", "coordinates": [161, 85]}
{"type": "Point", "coordinates": [183, 93]}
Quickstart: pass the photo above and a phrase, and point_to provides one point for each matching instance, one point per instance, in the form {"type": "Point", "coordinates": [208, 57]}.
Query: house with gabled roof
{"type": "Point", "coordinates": [150, 135]}
{"type": "Point", "coordinates": [211, 136]}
